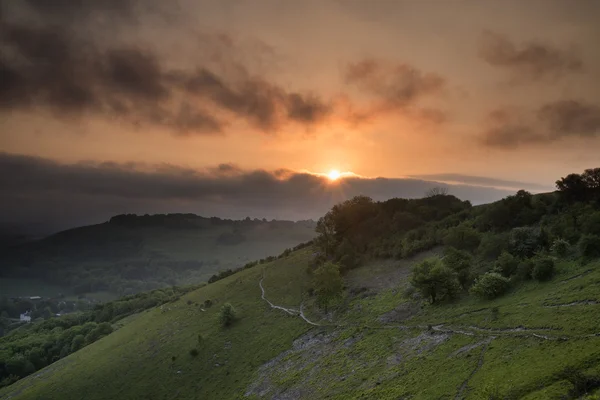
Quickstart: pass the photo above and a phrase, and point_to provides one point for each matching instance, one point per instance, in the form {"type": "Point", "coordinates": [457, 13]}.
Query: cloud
{"type": "Point", "coordinates": [43, 191]}
{"type": "Point", "coordinates": [571, 118]}
{"type": "Point", "coordinates": [52, 60]}
{"type": "Point", "coordinates": [552, 122]}
{"type": "Point", "coordinates": [485, 181]}
{"type": "Point", "coordinates": [395, 88]}
{"type": "Point", "coordinates": [530, 61]}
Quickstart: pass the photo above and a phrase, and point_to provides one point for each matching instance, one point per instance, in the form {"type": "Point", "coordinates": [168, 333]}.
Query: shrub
{"type": "Point", "coordinates": [460, 262]}
{"type": "Point", "coordinates": [543, 269]}
{"type": "Point", "coordinates": [227, 315]}
{"type": "Point", "coordinates": [463, 238]}
{"type": "Point", "coordinates": [490, 285]}
{"type": "Point", "coordinates": [194, 352]}
{"type": "Point", "coordinates": [328, 283]}
{"type": "Point", "coordinates": [525, 269]}
{"type": "Point", "coordinates": [506, 264]}
{"type": "Point", "coordinates": [560, 247]}
{"type": "Point", "coordinates": [435, 280]}
{"type": "Point", "coordinates": [589, 246]}
{"type": "Point", "coordinates": [492, 245]}
{"type": "Point", "coordinates": [208, 303]}
{"type": "Point", "coordinates": [525, 241]}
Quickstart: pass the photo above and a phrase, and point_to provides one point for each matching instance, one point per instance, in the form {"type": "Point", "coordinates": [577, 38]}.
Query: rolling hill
{"type": "Point", "coordinates": [402, 299]}
{"type": "Point", "coordinates": [133, 253]}
{"type": "Point", "coordinates": [533, 343]}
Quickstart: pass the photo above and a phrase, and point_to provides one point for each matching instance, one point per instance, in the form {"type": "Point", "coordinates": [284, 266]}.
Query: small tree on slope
{"type": "Point", "coordinates": [328, 283]}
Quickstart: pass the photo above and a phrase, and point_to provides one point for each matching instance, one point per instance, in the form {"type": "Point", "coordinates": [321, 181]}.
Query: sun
{"type": "Point", "coordinates": [334, 175]}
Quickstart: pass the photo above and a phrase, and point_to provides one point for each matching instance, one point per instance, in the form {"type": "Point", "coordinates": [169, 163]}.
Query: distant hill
{"type": "Point", "coordinates": [132, 253]}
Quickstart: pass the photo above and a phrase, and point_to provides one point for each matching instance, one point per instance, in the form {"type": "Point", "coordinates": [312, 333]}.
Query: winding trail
{"type": "Point", "coordinates": [290, 311]}
{"type": "Point", "coordinates": [463, 386]}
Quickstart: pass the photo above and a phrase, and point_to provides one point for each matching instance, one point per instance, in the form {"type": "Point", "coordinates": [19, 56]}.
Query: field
{"type": "Point", "coordinates": [538, 342]}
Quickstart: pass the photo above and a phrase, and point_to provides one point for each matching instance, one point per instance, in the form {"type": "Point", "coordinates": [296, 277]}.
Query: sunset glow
{"type": "Point", "coordinates": [334, 175]}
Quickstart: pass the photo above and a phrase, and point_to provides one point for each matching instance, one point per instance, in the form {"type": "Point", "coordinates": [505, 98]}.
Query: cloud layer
{"type": "Point", "coordinates": [530, 61]}
{"type": "Point", "coordinates": [71, 194]}
{"type": "Point", "coordinates": [551, 122]}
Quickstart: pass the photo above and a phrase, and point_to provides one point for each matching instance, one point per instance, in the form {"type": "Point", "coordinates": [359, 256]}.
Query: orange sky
{"type": "Point", "coordinates": [419, 60]}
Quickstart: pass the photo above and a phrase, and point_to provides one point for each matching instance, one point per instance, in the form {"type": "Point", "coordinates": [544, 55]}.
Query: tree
{"type": "Point", "coordinates": [525, 241]}
{"type": "Point", "coordinates": [573, 187]}
{"type": "Point", "coordinates": [543, 268]}
{"type": "Point", "coordinates": [437, 191]}
{"type": "Point", "coordinates": [463, 237]}
{"type": "Point", "coordinates": [77, 343]}
{"type": "Point", "coordinates": [490, 285]}
{"type": "Point", "coordinates": [506, 264]}
{"type": "Point", "coordinates": [589, 246]}
{"type": "Point", "coordinates": [328, 283]}
{"type": "Point", "coordinates": [434, 280]}
{"type": "Point", "coordinates": [460, 262]}
{"type": "Point", "coordinates": [227, 315]}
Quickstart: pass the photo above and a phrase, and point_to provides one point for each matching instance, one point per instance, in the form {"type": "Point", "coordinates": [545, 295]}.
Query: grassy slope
{"type": "Point", "coordinates": [135, 362]}
{"type": "Point", "coordinates": [473, 354]}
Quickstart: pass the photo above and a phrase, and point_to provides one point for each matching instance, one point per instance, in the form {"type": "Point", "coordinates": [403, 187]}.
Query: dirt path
{"type": "Point", "coordinates": [290, 311]}
{"type": "Point", "coordinates": [463, 387]}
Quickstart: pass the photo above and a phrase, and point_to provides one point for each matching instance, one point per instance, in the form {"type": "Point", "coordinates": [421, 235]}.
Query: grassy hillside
{"type": "Point", "coordinates": [493, 302]}
{"type": "Point", "coordinates": [380, 342]}
{"type": "Point", "coordinates": [134, 253]}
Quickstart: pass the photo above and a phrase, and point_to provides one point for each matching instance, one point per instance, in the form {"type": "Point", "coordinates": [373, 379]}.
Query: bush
{"type": "Point", "coordinates": [543, 269]}
{"type": "Point", "coordinates": [560, 247]}
{"type": "Point", "coordinates": [589, 246]}
{"type": "Point", "coordinates": [506, 264]}
{"type": "Point", "coordinates": [490, 285]}
{"type": "Point", "coordinates": [525, 241]}
{"type": "Point", "coordinates": [460, 262]}
{"type": "Point", "coordinates": [525, 269]}
{"type": "Point", "coordinates": [227, 315]}
{"type": "Point", "coordinates": [435, 280]}
{"type": "Point", "coordinates": [194, 352]}
{"type": "Point", "coordinates": [463, 238]}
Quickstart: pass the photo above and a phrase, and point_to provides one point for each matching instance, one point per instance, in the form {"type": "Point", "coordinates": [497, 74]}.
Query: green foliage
{"type": "Point", "coordinates": [492, 245]}
{"type": "Point", "coordinates": [589, 246]}
{"type": "Point", "coordinates": [461, 262]}
{"type": "Point", "coordinates": [560, 247]}
{"type": "Point", "coordinates": [506, 264]}
{"type": "Point", "coordinates": [194, 352]}
{"type": "Point", "coordinates": [463, 238]}
{"type": "Point", "coordinates": [227, 315]}
{"type": "Point", "coordinates": [591, 225]}
{"type": "Point", "coordinates": [77, 343]}
{"type": "Point", "coordinates": [490, 285]}
{"type": "Point", "coordinates": [327, 283]}
{"type": "Point", "coordinates": [543, 268]}
{"type": "Point", "coordinates": [434, 280]}
{"type": "Point", "coordinates": [525, 241]}
{"type": "Point", "coordinates": [525, 269]}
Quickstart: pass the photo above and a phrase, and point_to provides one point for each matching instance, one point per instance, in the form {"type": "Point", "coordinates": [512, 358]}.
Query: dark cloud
{"type": "Point", "coordinates": [530, 61]}
{"type": "Point", "coordinates": [399, 85]}
{"type": "Point", "coordinates": [53, 63]}
{"type": "Point", "coordinates": [43, 191]}
{"type": "Point", "coordinates": [571, 118]}
{"type": "Point", "coordinates": [554, 121]}
{"type": "Point", "coordinates": [395, 88]}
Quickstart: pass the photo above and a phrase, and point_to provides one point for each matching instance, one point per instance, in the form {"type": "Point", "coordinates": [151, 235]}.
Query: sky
{"type": "Point", "coordinates": [237, 108]}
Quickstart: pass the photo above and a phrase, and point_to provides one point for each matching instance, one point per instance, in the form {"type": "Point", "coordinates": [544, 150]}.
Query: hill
{"type": "Point", "coordinates": [491, 302]}
{"type": "Point", "coordinates": [133, 253]}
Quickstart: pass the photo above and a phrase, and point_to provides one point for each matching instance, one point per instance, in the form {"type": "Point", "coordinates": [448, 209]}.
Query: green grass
{"type": "Point", "coordinates": [355, 357]}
